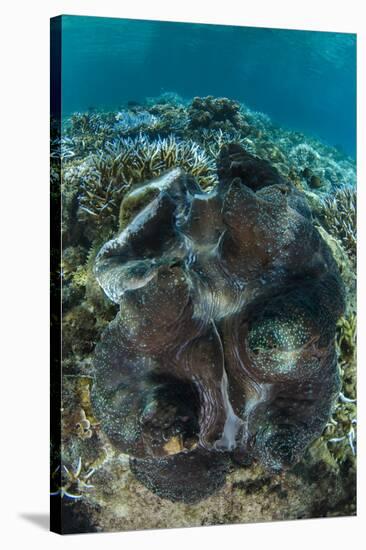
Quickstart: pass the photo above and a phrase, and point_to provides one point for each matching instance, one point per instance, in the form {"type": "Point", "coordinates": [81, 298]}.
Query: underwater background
{"type": "Point", "coordinates": [304, 80]}
{"type": "Point", "coordinates": [140, 98]}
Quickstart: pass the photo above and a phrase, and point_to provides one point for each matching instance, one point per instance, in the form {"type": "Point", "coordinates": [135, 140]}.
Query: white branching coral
{"type": "Point", "coordinates": [338, 215]}
{"type": "Point", "coordinates": [105, 177]}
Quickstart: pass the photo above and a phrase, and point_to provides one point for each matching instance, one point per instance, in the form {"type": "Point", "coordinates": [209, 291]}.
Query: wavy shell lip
{"type": "Point", "coordinates": [228, 305]}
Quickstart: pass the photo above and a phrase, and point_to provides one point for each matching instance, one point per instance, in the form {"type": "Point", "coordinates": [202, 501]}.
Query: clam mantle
{"type": "Point", "coordinates": [222, 352]}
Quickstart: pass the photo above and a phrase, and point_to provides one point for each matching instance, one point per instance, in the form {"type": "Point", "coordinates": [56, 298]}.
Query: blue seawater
{"type": "Point", "coordinates": [304, 80]}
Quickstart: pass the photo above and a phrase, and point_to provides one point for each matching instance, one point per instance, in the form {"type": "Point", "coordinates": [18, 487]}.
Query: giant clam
{"type": "Point", "coordinates": [222, 352]}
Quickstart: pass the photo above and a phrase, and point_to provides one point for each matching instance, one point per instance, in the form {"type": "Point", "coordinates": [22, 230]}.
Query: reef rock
{"type": "Point", "coordinates": [222, 352]}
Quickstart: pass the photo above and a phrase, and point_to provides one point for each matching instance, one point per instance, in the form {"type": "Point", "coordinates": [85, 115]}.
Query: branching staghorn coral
{"type": "Point", "coordinates": [125, 162]}
{"type": "Point", "coordinates": [341, 430]}
{"type": "Point", "coordinates": [213, 140]}
{"type": "Point", "coordinates": [86, 132]}
{"type": "Point", "coordinates": [338, 215]}
{"type": "Point", "coordinates": [89, 123]}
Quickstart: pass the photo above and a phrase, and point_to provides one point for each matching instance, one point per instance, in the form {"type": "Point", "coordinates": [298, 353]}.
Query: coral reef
{"type": "Point", "coordinates": [108, 161]}
{"type": "Point", "coordinates": [223, 348]}
{"type": "Point", "coordinates": [103, 179]}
